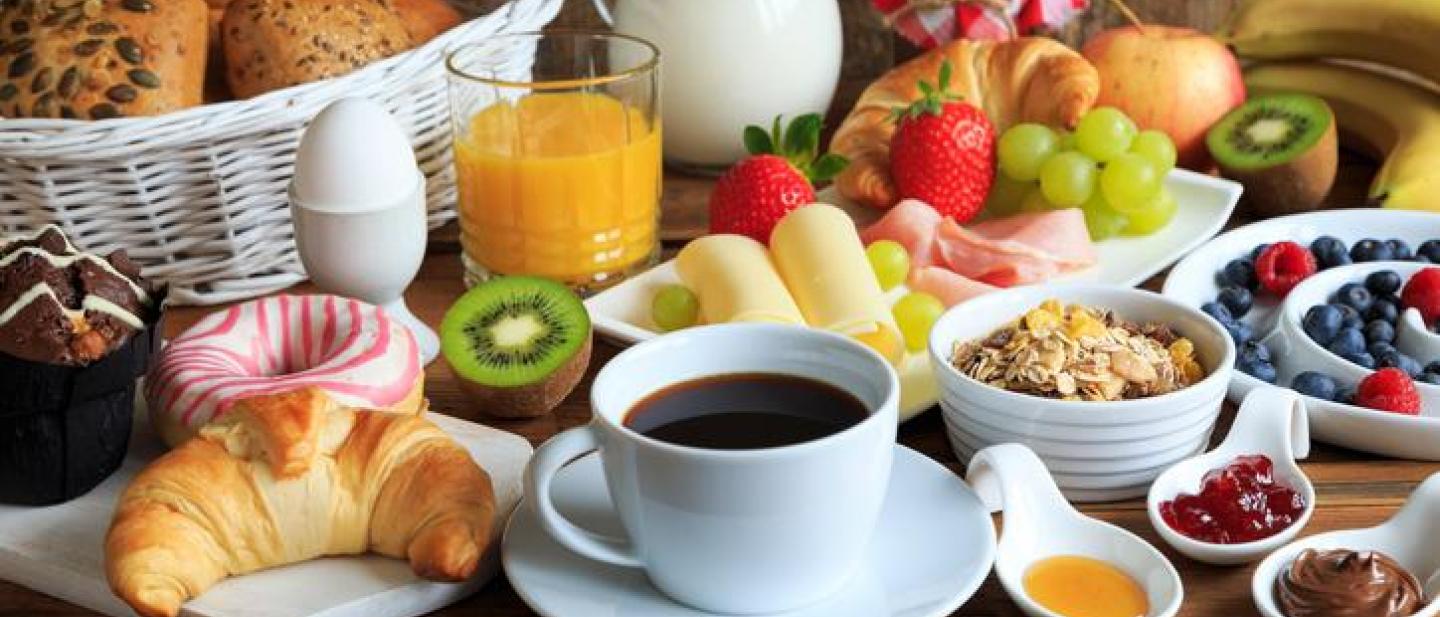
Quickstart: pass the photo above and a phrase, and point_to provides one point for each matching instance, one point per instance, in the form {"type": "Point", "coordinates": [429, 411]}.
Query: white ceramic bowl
{"type": "Point", "coordinates": [1130, 442]}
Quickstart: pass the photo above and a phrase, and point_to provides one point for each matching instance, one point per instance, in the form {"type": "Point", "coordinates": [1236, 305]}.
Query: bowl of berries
{"type": "Point", "coordinates": [1246, 278]}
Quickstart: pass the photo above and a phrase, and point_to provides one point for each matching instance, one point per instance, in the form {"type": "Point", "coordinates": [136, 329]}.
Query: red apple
{"type": "Point", "coordinates": [1175, 80]}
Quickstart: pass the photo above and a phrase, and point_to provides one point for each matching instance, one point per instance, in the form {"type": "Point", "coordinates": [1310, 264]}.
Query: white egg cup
{"type": "Point", "coordinates": [1039, 523]}
{"type": "Point", "coordinates": [1360, 428]}
{"type": "Point", "coordinates": [1271, 421]}
{"type": "Point", "coordinates": [358, 204]}
{"type": "Point", "coordinates": [1411, 537]}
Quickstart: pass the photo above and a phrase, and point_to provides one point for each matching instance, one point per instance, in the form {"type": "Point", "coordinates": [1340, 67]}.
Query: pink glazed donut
{"type": "Point", "coordinates": [351, 350]}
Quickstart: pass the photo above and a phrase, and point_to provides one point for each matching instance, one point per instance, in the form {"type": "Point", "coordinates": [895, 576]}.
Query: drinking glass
{"type": "Point", "coordinates": [557, 156]}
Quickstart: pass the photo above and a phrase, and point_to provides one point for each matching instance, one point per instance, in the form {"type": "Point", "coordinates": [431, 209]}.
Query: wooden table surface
{"type": "Point", "coordinates": [1354, 489]}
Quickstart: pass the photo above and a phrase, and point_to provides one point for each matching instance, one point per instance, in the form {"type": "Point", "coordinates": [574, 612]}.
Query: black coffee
{"type": "Point", "coordinates": [745, 411]}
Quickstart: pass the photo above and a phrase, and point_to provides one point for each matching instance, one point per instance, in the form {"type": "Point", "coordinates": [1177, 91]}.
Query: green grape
{"type": "Point", "coordinates": [674, 307]}
{"type": "Point", "coordinates": [1100, 219]}
{"type": "Point", "coordinates": [1006, 196]}
{"type": "Point", "coordinates": [889, 261]}
{"type": "Point", "coordinates": [1035, 201]}
{"type": "Point", "coordinates": [1024, 148]}
{"type": "Point", "coordinates": [1156, 146]}
{"type": "Point", "coordinates": [1066, 142]}
{"type": "Point", "coordinates": [1154, 217]}
{"type": "Point", "coordinates": [1130, 182]}
{"type": "Point", "coordinates": [1104, 133]}
{"type": "Point", "coordinates": [1067, 179]}
{"type": "Point", "coordinates": [915, 313]}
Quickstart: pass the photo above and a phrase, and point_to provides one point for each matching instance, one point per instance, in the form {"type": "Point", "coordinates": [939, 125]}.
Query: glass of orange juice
{"type": "Point", "coordinates": [557, 156]}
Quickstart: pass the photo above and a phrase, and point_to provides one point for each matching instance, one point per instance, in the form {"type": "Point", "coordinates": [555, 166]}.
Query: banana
{"type": "Point", "coordinates": [1400, 33]}
{"type": "Point", "coordinates": [1400, 121]}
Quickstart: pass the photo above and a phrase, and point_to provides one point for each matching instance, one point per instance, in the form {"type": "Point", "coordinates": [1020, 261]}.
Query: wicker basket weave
{"type": "Point", "coordinates": [198, 197]}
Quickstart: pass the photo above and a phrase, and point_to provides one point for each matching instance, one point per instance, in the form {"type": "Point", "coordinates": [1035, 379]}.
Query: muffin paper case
{"type": "Point", "coordinates": [64, 429]}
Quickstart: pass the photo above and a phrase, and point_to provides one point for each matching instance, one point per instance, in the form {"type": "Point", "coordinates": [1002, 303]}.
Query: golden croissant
{"type": "Point", "coordinates": [292, 477]}
{"type": "Point", "coordinates": [1029, 79]}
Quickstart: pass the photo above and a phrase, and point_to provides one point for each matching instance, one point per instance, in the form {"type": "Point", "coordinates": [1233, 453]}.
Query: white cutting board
{"type": "Point", "coordinates": [59, 550]}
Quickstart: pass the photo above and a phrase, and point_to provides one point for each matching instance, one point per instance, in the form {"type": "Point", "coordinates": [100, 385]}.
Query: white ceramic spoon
{"type": "Point", "coordinates": [1271, 421]}
{"type": "Point", "coordinates": [1413, 339]}
{"type": "Point", "coordinates": [1039, 523]}
{"type": "Point", "coordinates": [1411, 537]}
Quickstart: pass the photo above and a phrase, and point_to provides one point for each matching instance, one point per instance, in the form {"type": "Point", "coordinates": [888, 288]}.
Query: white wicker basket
{"type": "Point", "coordinates": [198, 197]}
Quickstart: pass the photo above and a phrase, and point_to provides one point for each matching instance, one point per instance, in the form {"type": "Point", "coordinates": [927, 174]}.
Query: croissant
{"type": "Point", "coordinates": [291, 477]}
{"type": "Point", "coordinates": [1029, 79]}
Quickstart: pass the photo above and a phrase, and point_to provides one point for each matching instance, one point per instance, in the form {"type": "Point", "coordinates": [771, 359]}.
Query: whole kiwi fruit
{"type": "Point", "coordinates": [1282, 148]}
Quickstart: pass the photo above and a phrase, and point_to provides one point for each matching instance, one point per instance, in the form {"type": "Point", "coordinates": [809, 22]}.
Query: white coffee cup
{"type": "Point", "coordinates": [733, 531]}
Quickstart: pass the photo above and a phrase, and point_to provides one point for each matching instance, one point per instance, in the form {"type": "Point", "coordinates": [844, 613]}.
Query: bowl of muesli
{"type": "Point", "coordinates": [1106, 380]}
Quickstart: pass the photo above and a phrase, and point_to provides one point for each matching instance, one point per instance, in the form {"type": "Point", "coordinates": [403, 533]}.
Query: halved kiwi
{"type": "Point", "coordinates": [518, 344]}
{"type": "Point", "coordinates": [1282, 147]}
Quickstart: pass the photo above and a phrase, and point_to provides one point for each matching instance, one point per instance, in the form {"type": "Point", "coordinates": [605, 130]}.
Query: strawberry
{"type": "Point", "coordinates": [779, 176]}
{"type": "Point", "coordinates": [943, 151]}
{"type": "Point", "coordinates": [1422, 293]}
{"type": "Point", "coordinates": [1389, 389]}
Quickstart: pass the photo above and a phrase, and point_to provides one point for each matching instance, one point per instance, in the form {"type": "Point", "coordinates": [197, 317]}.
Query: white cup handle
{"type": "Point", "coordinates": [548, 461]}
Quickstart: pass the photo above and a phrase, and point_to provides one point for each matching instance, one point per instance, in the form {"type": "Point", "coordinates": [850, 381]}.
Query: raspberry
{"type": "Point", "coordinates": [1423, 294]}
{"type": "Point", "coordinates": [1389, 389]}
{"type": "Point", "coordinates": [1281, 266]}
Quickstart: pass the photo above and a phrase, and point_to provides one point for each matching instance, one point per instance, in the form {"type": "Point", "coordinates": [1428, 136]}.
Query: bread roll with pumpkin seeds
{"type": "Point", "coordinates": [99, 59]}
{"type": "Point", "coordinates": [274, 44]}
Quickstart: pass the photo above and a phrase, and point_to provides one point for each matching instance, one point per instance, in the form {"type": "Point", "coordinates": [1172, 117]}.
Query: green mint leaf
{"type": "Point", "coordinates": [757, 141]}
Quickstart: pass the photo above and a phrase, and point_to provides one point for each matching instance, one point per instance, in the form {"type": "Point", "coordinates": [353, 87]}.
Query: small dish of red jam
{"type": "Point", "coordinates": [1240, 502]}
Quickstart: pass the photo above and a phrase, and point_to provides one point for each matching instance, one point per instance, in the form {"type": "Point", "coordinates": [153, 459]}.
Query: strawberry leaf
{"type": "Point", "coordinates": [827, 167]}
{"type": "Point", "coordinates": [932, 98]}
{"type": "Point", "coordinates": [802, 138]}
{"type": "Point", "coordinates": [757, 141]}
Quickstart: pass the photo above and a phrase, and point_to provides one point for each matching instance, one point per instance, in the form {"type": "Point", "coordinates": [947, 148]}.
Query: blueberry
{"type": "Point", "coordinates": [1362, 359]}
{"type": "Point", "coordinates": [1349, 341]}
{"type": "Point", "coordinates": [1379, 331]}
{"type": "Point", "coordinates": [1400, 361]}
{"type": "Point", "coordinates": [1384, 309]}
{"type": "Point", "coordinates": [1218, 311]}
{"type": "Point", "coordinates": [1237, 299]}
{"type": "Point", "coordinates": [1259, 248]}
{"type": "Point", "coordinates": [1429, 249]}
{"type": "Point", "coordinates": [1318, 385]}
{"type": "Point", "coordinates": [1264, 371]}
{"type": "Point", "coordinates": [1370, 249]}
{"type": "Point", "coordinates": [1399, 250]}
{"type": "Point", "coordinates": [1422, 258]}
{"type": "Point", "coordinates": [1344, 394]}
{"type": "Point", "coordinates": [1322, 322]}
{"type": "Point", "coordinates": [1240, 332]}
{"type": "Point", "coordinates": [1383, 282]}
{"type": "Point", "coordinates": [1350, 317]}
{"type": "Point", "coordinates": [1254, 351]}
{"type": "Point", "coordinates": [1379, 349]}
{"type": "Point", "coordinates": [1240, 272]}
{"type": "Point", "coordinates": [1356, 296]}
{"type": "Point", "coordinates": [1329, 252]}
{"type": "Point", "coordinates": [1433, 367]}
{"type": "Point", "coordinates": [1430, 378]}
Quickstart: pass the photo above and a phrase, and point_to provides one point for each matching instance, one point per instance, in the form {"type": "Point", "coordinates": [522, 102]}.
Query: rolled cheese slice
{"type": "Point", "coordinates": [819, 255]}
{"type": "Point", "coordinates": [734, 280]}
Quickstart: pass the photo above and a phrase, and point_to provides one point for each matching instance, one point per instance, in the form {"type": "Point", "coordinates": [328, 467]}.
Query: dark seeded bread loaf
{"type": "Point", "coordinates": [97, 59]}
{"type": "Point", "coordinates": [273, 44]}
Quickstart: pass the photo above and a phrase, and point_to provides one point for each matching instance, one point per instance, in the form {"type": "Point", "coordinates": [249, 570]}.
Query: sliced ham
{"type": "Point", "coordinates": [913, 224]}
{"type": "Point", "coordinates": [1017, 250]}
{"type": "Point", "coordinates": [950, 288]}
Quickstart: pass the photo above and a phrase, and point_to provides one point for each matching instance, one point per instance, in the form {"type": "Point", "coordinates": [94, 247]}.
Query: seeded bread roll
{"type": "Point", "coordinates": [98, 59]}
{"type": "Point", "coordinates": [274, 44]}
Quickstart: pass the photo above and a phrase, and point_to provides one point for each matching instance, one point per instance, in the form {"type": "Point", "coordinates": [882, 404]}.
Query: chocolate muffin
{"type": "Point", "coordinates": [76, 331]}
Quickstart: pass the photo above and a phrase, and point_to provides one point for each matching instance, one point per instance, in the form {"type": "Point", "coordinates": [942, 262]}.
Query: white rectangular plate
{"type": "Point", "coordinates": [622, 313]}
{"type": "Point", "coordinates": [59, 550]}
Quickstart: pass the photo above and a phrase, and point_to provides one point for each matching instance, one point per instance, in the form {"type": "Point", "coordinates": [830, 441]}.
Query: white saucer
{"type": "Point", "coordinates": [934, 546]}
